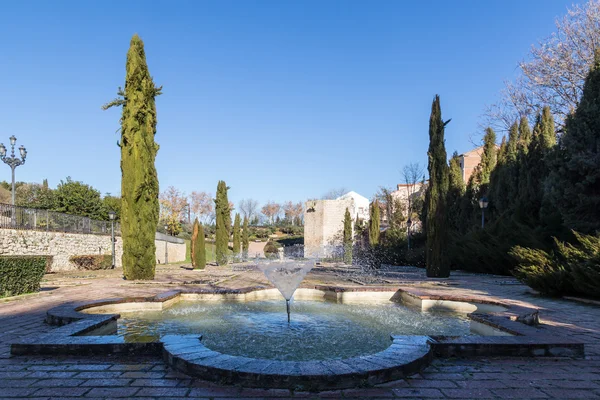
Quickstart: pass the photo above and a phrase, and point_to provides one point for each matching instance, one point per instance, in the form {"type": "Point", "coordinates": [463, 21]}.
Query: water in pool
{"type": "Point", "coordinates": [318, 330]}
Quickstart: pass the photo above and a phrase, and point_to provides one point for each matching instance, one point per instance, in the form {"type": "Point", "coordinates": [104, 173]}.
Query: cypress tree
{"type": "Point", "coordinates": [223, 215]}
{"type": "Point", "coordinates": [139, 182]}
{"type": "Point", "coordinates": [245, 239]}
{"type": "Point", "coordinates": [504, 182]}
{"type": "Point", "coordinates": [534, 169]}
{"type": "Point", "coordinates": [524, 135]}
{"type": "Point", "coordinates": [438, 264]}
{"type": "Point", "coordinates": [488, 160]}
{"type": "Point", "coordinates": [573, 186]}
{"type": "Point", "coordinates": [195, 229]}
{"type": "Point", "coordinates": [237, 236]}
{"type": "Point", "coordinates": [347, 237]}
{"type": "Point", "coordinates": [456, 191]}
{"type": "Point", "coordinates": [199, 255]}
{"type": "Point", "coordinates": [374, 224]}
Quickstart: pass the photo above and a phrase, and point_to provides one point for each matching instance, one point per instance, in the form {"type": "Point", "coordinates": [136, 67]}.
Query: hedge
{"type": "Point", "coordinates": [92, 261]}
{"type": "Point", "coordinates": [21, 274]}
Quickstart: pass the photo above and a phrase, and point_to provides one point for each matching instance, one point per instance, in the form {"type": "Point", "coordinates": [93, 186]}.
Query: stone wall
{"type": "Point", "coordinates": [64, 245]}
{"type": "Point", "coordinates": [324, 225]}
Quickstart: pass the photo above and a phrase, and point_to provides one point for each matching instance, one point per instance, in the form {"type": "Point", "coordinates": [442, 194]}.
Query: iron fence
{"type": "Point", "coordinates": [16, 217]}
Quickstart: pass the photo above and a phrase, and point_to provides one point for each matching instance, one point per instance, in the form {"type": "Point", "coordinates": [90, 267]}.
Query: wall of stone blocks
{"type": "Point", "coordinates": [323, 225]}
{"type": "Point", "coordinates": [64, 245]}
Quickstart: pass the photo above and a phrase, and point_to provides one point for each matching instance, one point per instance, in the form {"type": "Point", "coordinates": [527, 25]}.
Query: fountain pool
{"type": "Point", "coordinates": [319, 330]}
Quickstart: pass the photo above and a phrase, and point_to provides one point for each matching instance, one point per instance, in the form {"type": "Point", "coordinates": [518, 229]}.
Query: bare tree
{"type": "Point", "coordinates": [202, 205]}
{"type": "Point", "coordinates": [413, 174]}
{"type": "Point", "coordinates": [249, 208]}
{"type": "Point", "coordinates": [555, 70]}
{"type": "Point", "coordinates": [292, 211]}
{"type": "Point", "coordinates": [173, 204]}
{"type": "Point", "coordinates": [271, 210]}
{"type": "Point", "coordinates": [334, 193]}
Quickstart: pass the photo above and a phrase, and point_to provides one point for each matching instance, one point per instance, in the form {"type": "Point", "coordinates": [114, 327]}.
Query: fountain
{"type": "Point", "coordinates": [286, 276]}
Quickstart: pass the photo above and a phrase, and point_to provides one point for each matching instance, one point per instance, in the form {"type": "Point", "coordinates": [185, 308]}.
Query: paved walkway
{"type": "Point", "coordinates": [114, 377]}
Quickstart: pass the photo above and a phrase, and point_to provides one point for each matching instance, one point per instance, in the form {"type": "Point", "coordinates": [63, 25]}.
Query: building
{"type": "Point", "coordinates": [324, 222]}
{"type": "Point", "coordinates": [469, 161]}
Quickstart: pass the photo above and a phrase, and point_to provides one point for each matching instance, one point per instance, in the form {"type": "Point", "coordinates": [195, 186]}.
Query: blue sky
{"type": "Point", "coordinates": [283, 100]}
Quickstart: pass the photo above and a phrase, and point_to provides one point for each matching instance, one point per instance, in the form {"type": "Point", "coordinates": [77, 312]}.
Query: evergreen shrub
{"type": "Point", "coordinates": [21, 274]}
{"type": "Point", "coordinates": [92, 261]}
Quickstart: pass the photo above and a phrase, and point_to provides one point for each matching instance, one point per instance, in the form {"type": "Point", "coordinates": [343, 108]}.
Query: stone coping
{"type": "Point", "coordinates": [405, 356]}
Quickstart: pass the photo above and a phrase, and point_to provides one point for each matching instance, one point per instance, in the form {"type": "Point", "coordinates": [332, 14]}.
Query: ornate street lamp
{"type": "Point", "coordinates": [483, 204]}
{"type": "Point", "coordinates": [13, 161]}
{"type": "Point", "coordinates": [166, 245]}
{"type": "Point", "coordinates": [408, 225]}
{"type": "Point", "coordinates": [112, 215]}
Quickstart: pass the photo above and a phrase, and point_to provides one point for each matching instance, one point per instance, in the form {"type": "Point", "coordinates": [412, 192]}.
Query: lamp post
{"type": "Point", "coordinates": [483, 204]}
{"type": "Point", "coordinates": [408, 225]}
{"type": "Point", "coordinates": [13, 161]}
{"type": "Point", "coordinates": [166, 245]}
{"type": "Point", "coordinates": [112, 215]}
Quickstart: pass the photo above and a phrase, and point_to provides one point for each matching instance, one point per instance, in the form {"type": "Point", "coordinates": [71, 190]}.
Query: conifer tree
{"type": "Point", "coordinates": [534, 169]}
{"type": "Point", "coordinates": [524, 135]}
{"type": "Point", "coordinates": [139, 182]}
{"type": "Point", "coordinates": [438, 264]}
{"type": "Point", "coordinates": [237, 235]}
{"type": "Point", "coordinates": [456, 191]}
{"type": "Point", "coordinates": [347, 237]}
{"type": "Point", "coordinates": [195, 230]}
{"type": "Point", "coordinates": [245, 239]}
{"type": "Point", "coordinates": [487, 164]}
{"type": "Point", "coordinates": [573, 186]}
{"type": "Point", "coordinates": [223, 218]}
{"type": "Point", "coordinates": [374, 224]}
{"type": "Point", "coordinates": [199, 255]}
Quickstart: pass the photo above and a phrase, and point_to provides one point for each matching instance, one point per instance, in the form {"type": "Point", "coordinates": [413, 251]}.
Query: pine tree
{"type": "Point", "coordinates": [195, 229]}
{"type": "Point", "coordinates": [245, 239]}
{"type": "Point", "coordinates": [223, 218]}
{"type": "Point", "coordinates": [347, 237]}
{"type": "Point", "coordinates": [573, 186]}
{"type": "Point", "coordinates": [237, 235]}
{"type": "Point", "coordinates": [438, 264]}
{"type": "Point", "coordinates": [199, 254]}
{"type": "Point", "coordinates": [139, 182]}
{"type": "Point", "coordinates": [374, 224]}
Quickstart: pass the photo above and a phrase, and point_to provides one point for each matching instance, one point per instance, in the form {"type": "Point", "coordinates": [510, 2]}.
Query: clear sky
{"type": "Point", "coordinates": [283, 100]}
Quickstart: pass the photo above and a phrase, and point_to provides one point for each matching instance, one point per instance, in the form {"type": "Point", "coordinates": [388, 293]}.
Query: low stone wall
{"type": "Point", "coordinates": [64, 245]}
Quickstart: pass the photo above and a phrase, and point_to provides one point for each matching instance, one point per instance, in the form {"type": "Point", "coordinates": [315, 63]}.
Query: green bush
{"type": "Point", "coordinates": [570, 268]}
{"type": "Point", "coordinates": [21, 274]}
{"type": "Point", "coordinates": [92, 261]}
{"type": "Point", "coordinates": [271, 249]}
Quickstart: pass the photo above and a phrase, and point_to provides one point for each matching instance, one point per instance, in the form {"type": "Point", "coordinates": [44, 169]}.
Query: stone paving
{"type": "Point", "coordinates": [112, 377]}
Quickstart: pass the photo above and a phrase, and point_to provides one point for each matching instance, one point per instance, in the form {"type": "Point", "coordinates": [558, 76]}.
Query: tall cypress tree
{"type": "Point", "coordinates": [347, 237]}
{"type": "Point", "coordinates": [245, 239]}
{"type": "Point", "coordinates": [438, 264]}
{"type": "Point", "coordinates": [199, 255]}
{"type": "Point", "coordinates": [223, 215]}
{"type": "Point", "coordinates": [573, 186]}
{"type": "Point", "coordinates": [195, 231]}
{"type": "Point", "coordinates": [487, 164]}
{"type": "Point", "coordinates": [524, 135]}
{"type": "Point", "coordinates": [534, 169]}
{"type": "Point", "coordinates": [374, 224]}
{"type": "Point", "coordinates": [237, 235]}
{"type": "Point", "coordinates": [139, 182]}
{"type": "Point", "coordinates": [456, 191]}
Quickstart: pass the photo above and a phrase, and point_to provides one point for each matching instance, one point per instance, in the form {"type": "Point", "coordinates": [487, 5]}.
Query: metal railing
{"type": "Point", "coordinates": [16, 217]}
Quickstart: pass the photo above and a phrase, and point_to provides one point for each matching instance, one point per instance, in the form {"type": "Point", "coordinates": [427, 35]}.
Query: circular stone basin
{"type": "Point", "coordinates": [319, 330]}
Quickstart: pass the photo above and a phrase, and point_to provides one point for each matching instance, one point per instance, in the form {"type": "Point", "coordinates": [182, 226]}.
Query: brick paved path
{"type": "Point", "coordinates": [149, 378]}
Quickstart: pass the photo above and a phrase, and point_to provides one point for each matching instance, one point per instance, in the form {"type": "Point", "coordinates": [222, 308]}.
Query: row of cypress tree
{"type": "Point", "coordinates": [544, 197]}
